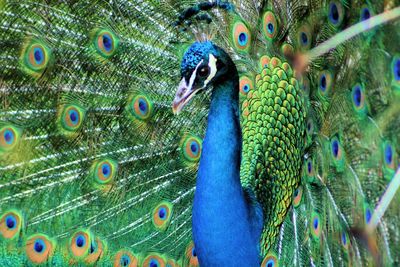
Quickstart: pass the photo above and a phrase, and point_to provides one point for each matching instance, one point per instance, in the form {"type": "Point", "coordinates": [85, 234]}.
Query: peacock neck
{"type": "Point", "coordinates": [221, 224]}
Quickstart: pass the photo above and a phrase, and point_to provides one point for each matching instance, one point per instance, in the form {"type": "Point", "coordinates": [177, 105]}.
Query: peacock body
{"type": "Point", "coordinates": [288, 158]}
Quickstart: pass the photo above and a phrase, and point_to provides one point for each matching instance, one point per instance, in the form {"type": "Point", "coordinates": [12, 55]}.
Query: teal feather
{"type": "Point", "coordinates": [89, 143]}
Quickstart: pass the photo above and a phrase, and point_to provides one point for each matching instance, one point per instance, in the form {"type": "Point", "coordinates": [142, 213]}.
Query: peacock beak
{"type": "Point", "coordinates": [183, 95]}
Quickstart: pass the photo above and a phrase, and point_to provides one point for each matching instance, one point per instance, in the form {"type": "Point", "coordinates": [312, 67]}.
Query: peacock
{"type": "Point", "coordinates": [164, 133]}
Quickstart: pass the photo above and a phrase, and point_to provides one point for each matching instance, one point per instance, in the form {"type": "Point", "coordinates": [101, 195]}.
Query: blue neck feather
{"type": "Point", "coordinates": [223, 228]}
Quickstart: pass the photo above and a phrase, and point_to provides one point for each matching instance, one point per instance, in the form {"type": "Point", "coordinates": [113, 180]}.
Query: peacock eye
{"type": "Point", "coordinates": [204, 71]}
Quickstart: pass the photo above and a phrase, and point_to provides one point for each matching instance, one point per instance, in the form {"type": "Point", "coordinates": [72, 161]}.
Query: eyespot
{"type": "Point", "coordinates": [365, 13]}
{"type": "Point", "coordinates": [191, 255]}
{"type": "Point", "coordinates": [245, 85]}
{"type": "Point", "coordinates": [315, 225]}
{"type": "Point", "coordinates": [204, 71]}
{"type": "Point", "coordinates": [304, 37]}
{"type": "Point", "coordinates": [336, 149]}
{"type": "Point", "coordinates": [388, 159]}
{"type": "Point", "coordinates": [96, 251]}
{"type": "Point", "coordinates": [105, 42]}
{"type": "Point", "coordinates": [271, 260]}
{"type": "Point", "coordinates": [72, 117]}
{"type": "Point", "coordinates": [287, 51]}
{"type": "Point", "coordinates": [154, 260]}
{"type": "Point", "coordinates": [358, 99]}
{"type": "Point", "coordinates": [264, 62]}
{"type": "Point", "coordinates": [241, 36]}
{"type": "Point", "coordinates": [325, 82]}
{"type": "Point", "coordinates": [10, 224]}
{"type": "Point", "coordinates": [297, 196]}
{"type": "Point", "coordinates": [39, 248]}
{"type": "Point", "coordinates": [337, 153]}
{"type": "Point", "coordinates": [270, 25]}
{"type": "Point", "coordinates": [344, 238]}
{"type": "Point", "coordinates": [396, 72]}
{"type": "Point", "coordinates": [104, 171]}
{"type": "Point", "coordinates": [309, 169]}
{"type": "Point", "coordinates": [35, 57]}
{"type": "Point", "coordinates": [171, 263]}
{"type": "Point", "coordinates": [125, 258]}
{"type": "Point", "coordinates": [310, 126]}
{"type": "Point", "coordinates": [141, 107]}
{"type": "Point", "coordinates": [79, 244]}
{"type": "Point", "coordinates": [161, 215]}
{"type": "Point", "coordinates": [191, 146]}
{"type": "Point", "coordinates": [367, 213]}
{"type": "Point", "coordinates": [9, 138]}
{"type": "Point", "coordinates": [335, 13]}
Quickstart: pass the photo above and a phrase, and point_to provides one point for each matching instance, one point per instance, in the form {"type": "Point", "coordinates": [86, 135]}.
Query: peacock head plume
{"type": "Point", "coordinates": [203, 65]}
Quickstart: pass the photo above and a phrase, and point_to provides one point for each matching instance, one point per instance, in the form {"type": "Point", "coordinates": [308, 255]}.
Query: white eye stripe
{"type": "Point", "coordinates": [212, 64]}
{"type": "Point", "coordinates": [193, 76]}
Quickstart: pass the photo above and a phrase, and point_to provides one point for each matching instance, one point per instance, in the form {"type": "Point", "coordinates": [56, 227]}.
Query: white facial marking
{"type": "Point", "coordinates": [212, 64]}
{"type": "Point", "coordinates": [193, 76]}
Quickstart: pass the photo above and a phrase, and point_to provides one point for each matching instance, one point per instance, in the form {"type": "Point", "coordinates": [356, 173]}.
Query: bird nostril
{"type": "Point", "coordinates": [181, 92]}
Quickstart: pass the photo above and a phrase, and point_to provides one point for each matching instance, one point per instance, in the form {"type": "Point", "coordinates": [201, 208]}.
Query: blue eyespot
{"type": "Point", "coordinates": [365, 14]}
{"type": "Point", "coordinates": [322, 83]}
{"type": "Point", "coordinates": [334, 15]}
{"type": "Point", "coordinates": [194, 252]}
{"type": "Point", "coordinates": [309, 166]}
{"type": "Point", "coordinates": [38, 55]}
{"type": "Point", "coordinates": [296, 192]}
{"type": "Point", "coordinates": [304, 38]}
{"type": "Point", "coordinates": [344, 238]}
{"type": "Point", "coordinates": [357, 95]}
{"type": "Point", "coordinates": [8, 137]}
{"type": "Point", "coordinates": [335, 148]}
{"type": "Point", "coordinates": [246, 88]}
{"type": "Point", "coordinates": [396, 69]}
{"type": "Point", "coordinates": [153, 263]}
{"type": "Point", "coordinates": [106, 170]}
{"type": "Point", "coordinates": [388, 154]}
{"type": "Point", "coordinates": [80, 241]}
{"type": "Point", "coordinates": [39, 246]}
{"type": "Point", "coordinates": [368, 215]}
{"type": "Point", "coordinates": [125, 260]}
{"type": "Point", "coordinates": [242, 39]}
{"type": "Point", "coordinates": [194, 147]}
{"type": "Point", "coordinates": [107, 42]}
{"type": "Point", "coordinates": [315, 223]}
{"type": "Point", "coordinates": [11, 222]}
{"type": "Point", "coordinates": [162, 213]}
{"type": "Point", "coordinates": [74, 116]}
{"type": "Point", "coordinates": [92, 248]}
{"type": "Point", "coordinates": [270, 28]}
{"type": "Point", "coordinates": [142, 106]}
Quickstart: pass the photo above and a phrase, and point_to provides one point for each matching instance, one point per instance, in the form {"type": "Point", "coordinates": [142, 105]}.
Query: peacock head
{"type": "Point", "coordinates": [203, 65]}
